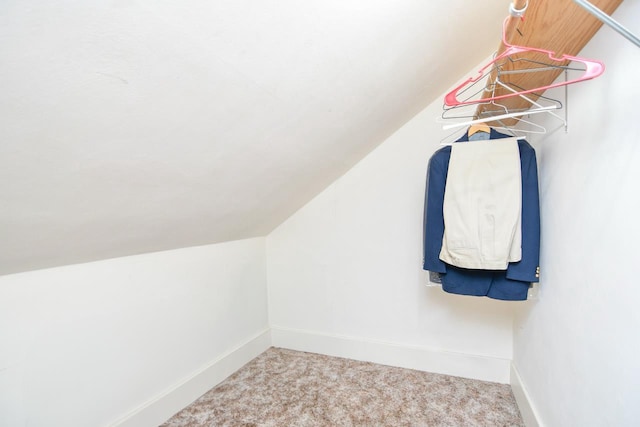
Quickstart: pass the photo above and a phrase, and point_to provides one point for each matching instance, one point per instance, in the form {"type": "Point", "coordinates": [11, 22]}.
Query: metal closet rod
{"type": "Point", "coordinates": [609, 21]}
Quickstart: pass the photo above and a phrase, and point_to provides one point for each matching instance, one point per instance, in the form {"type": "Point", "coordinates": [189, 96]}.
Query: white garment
{"type": "Point", "coordinates": [482, 205]}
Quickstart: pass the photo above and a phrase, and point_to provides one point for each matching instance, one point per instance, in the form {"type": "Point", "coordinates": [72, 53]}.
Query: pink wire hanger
{"type": "Point", "coordinates": [593, 69]}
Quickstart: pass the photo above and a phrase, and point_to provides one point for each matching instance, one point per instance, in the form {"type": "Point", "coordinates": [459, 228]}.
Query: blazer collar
{"type": "Point", "coordinates": [494, 134]}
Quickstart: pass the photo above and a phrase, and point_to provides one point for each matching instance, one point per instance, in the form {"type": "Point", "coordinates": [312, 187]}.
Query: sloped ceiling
{"type": "Point", "coordinates": [137, 126]}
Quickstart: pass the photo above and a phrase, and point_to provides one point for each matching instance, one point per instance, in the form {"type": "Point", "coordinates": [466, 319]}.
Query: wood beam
{"type": "Point", "coordinates": [561, 26]}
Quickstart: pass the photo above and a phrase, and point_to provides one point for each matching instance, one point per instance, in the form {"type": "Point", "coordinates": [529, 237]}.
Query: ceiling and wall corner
{"type": "Point", "coordinates": [132, 127]}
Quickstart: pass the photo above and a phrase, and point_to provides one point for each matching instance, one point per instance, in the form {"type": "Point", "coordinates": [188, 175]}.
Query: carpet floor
{"type": "Point", "coordinates": [282, 388]}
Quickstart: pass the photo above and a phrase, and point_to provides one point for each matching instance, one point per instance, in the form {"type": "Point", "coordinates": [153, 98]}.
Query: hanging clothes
{"type": "Point", "coordinates": [510, 284]}
{"type": "Point", "coordinates": [482, 202]}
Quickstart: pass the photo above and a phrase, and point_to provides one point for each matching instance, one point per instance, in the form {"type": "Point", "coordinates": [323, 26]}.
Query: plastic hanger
{"type": "Point", "coordinates": [539, 108]}
{"type": "Point", "coordinates": [508, 114]}
{"type": "Point", "coordinates": [470, 110]}
{"type": "Point", "coordinates": [493, 108]}
{"type": "Point", "coordinates": [592, 69]}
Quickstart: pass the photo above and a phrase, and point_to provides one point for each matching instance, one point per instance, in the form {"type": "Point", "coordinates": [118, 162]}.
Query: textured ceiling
{"type": "Point", "coordinates": [137, 126]}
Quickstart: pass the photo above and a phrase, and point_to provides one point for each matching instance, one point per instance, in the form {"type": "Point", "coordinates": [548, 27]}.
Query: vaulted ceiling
{"type": "Point", "coordinates": [137, 126]}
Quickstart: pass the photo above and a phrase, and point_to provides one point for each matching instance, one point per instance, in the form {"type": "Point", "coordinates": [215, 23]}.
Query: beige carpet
{"type": "Point", "coordinates": [283, 388]}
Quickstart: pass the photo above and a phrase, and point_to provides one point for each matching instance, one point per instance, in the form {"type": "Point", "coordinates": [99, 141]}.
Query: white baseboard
{"type": "Point", "coordinates": [160, 408]}
{"type": "Point", "coordinates": [527, 410]}
{"type": "Point", "coordinates": [392, 354]}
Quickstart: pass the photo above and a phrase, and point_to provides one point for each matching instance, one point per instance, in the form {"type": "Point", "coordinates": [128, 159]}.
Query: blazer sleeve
{"type": "Point", "coordinates": [433, 225]}
{"type": "Point", "coordinates": [527, 269]}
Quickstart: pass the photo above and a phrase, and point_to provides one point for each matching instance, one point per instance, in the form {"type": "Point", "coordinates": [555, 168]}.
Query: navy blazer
{"type": "Point", "coordinates": [510, 284]}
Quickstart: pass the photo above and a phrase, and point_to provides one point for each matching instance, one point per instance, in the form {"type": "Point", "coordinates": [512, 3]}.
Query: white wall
{"type": "Point", "coordinates": [85, 344]}
{"type": "Point", "coordinates": [577, 348]}
{"type": "Point", "coordinates": [345, 272]}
